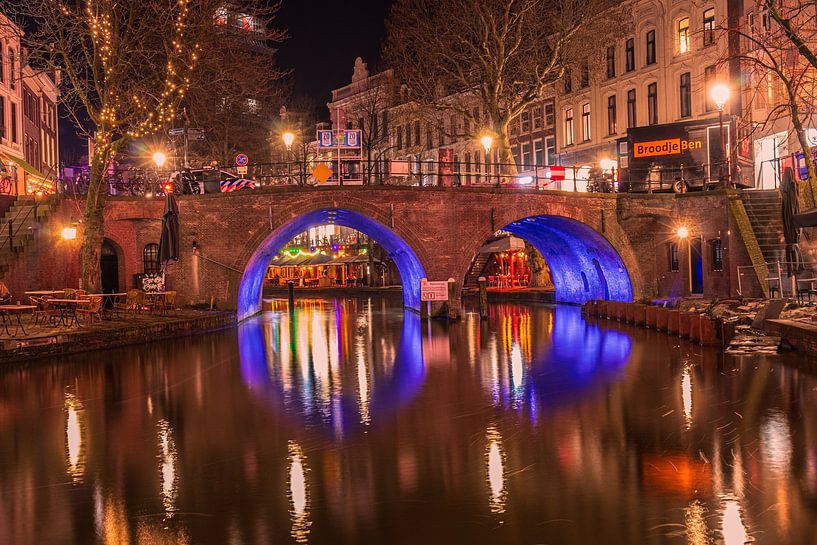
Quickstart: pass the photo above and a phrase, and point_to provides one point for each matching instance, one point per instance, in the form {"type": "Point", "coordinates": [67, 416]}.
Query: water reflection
{"type": "Point", "coordinates": [74, 437]}
{"type": "Point", "coordinates": [349, 421]}
{"type": "Point", "coordinates": [351, 368]}
{"type": "Point", "coordinates": [540, 360]}
{"type": "Point", "coordinates": [298, 493]}
{"type": "Point", "coordinates": [495, 469]}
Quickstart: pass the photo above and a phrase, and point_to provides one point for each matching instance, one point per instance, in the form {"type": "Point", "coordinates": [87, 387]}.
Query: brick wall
{"type": "Point", "coordinates": [444, 227]}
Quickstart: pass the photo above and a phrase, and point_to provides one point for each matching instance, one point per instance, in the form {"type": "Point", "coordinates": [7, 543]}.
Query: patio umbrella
{"type": "Point", "coordinates": [791, 232]}
{"type": "Point", "coordinates": [169, 241]}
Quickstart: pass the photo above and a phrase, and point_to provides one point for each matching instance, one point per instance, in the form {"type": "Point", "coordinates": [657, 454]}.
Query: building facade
{"type": "Point", "coordinates": [29, 141]}
{"type": "Point", "coordinates": [658, 76]}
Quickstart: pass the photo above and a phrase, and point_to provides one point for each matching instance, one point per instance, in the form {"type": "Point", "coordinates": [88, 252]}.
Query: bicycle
{"type": "Point", "coordinates": [6, 184]}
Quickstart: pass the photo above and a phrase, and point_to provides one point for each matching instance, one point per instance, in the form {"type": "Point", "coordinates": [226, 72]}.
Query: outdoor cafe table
{"type": "Point", "coordinates": [156, 298]}
{"type": "Point", "coordinates": [108, 299]}
{"type": "Point", "coordinates": [44, 293]}
{"type": "Point", "coordinates": [68, 310]}
{"type": "Point", "coordinates": [7, 311]}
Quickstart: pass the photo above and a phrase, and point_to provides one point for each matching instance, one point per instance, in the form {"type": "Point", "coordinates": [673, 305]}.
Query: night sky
{"type": "Point", "coordinates": [325, 38]}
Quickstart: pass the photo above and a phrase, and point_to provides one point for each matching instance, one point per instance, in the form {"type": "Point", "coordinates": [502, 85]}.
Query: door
{"type": "Point", "coordinates": [696, 267]}
{"type": "Point", "coordinates": [766, 162]}
{"type": "Point", "coordinates": [109, 268]}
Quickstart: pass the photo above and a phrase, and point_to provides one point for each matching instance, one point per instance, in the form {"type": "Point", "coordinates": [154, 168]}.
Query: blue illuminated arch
{"type": "Point", "coordinates": [583, 264]}
{"type": "Point", "coordinates": [409, 266]}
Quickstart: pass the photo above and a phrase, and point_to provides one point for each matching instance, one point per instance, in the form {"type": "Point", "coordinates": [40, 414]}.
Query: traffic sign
{"type": "Point", "coordinates": [195, 134]}
{"type": "Point", "coordinates": [241, 159]}
{"type": "Point", "coordinates": [175, 132]}
{"type": "Point", "coordinates": [322, 173]}
{"type": "Point", "coordinates": [433, 291]}
{"type": "Point", "coordinates": [241, 170]}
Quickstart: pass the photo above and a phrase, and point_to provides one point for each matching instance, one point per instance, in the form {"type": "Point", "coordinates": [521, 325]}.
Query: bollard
{"type": "Point", "coordinates": [483, 297]}
{"type": "Point", "coordinates": [453, 310]}
{"type": "Point", "coordinates": [291, 295]}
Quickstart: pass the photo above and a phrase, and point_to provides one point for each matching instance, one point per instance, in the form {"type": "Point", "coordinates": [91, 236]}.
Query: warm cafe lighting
{"type": "Point", "coordinates": [607, 164]}
{"type": "Point", "coordinates": [159, 158]}
{"type": "Point", "coordinates": [288, 138]}
{"type": "Point", "coordinates": [69, 233]}
{"type": "Point", "coordinates": [682, 232]}
{"type": "Point", "coordinates": [720, 95]}
{"type": "Point", "coordinates": [487, 141]}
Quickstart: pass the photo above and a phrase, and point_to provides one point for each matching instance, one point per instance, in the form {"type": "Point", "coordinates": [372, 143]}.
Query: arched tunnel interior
{"type": "Point", "coordinates": [583, 265]}
{"type": "Point", "coordinates": [408, 265]}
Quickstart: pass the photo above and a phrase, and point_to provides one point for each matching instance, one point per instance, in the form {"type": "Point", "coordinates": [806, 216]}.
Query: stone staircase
{"type": "Point", "coordinates": [764, 211]}
{"type": "Point", "coordinates": [476, 270]}
{"type": "Point", "coordinates": [19, 226]}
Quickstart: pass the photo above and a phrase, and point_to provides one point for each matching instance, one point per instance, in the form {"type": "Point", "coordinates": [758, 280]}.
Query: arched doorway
{"type": "Point", "coordinates": [583, 265]}
{"type": "Point", "coordinates": [408, 264]}
{"type": "Point", "coordinates": [109, 267]}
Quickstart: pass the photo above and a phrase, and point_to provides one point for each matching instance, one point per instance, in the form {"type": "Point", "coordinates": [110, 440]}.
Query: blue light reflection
{"type": "Point", "coordinates": [319, 363]}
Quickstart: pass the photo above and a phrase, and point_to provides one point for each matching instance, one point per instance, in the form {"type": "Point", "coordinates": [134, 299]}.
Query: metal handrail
{"type": "Point", "coordinates": [10, 237]}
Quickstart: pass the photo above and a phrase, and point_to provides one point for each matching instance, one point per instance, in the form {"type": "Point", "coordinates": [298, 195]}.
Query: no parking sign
{"type": "Point", "coordinates": [242, 160]}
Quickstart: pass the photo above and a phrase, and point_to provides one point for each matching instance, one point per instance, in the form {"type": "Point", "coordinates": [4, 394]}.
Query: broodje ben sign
{"type": "Point", "coordinates": [671, 146]}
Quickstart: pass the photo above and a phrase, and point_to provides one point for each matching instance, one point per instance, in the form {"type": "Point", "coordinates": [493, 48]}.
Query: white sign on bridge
{"type": "Point", "coordinates": [433, 291]}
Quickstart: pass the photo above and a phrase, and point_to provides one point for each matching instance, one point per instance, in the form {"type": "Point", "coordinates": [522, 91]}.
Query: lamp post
{"type": "Point", "coordinates": [288, 138]}
{"type": "Point", "coordinates": [487, 141]}
{"type": "Point", "coordinates": [159, 159]}
{"type": "Point", "coordinates": [720, 96]}
{"type": "Point", "coordinates": [683, 234]}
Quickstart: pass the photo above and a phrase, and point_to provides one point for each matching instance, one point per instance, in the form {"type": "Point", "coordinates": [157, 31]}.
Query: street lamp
{"type": "Point", "coordinates": [69, 233]}
{"type": "Point", "coordinates": [682, 232]}
{"type": "Point", "coordinates": [159, 158]}
{"type": "Point", "coordinates": [288, 138]}
{"type": "Point", "coordinates": [487, 141]}
{"type": "Point", "coordinates": [720, 96]}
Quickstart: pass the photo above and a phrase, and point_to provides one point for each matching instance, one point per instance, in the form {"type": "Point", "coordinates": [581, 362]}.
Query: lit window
{"type": "Point", "coordinates": [569, 127]}
{"type": "Point", "coordinates": [683, 35]}
{"type": "Point", "coordinates": [709, 26]}
{"type": "Point", "coordinates": [674, 265]}
{"type": "Point", "coordinates": [586, 122]}
{"type": "Point", "coordinates": [717, 255]}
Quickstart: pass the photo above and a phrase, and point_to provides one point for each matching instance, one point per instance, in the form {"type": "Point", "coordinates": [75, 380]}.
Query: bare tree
{"type": "Point", "coordinates": [126, 68]}
{"type": "Point", "coordinates": [771, 56]}
{"type": "Point", "coordinates": [507, 53]}
{"type": "Point", "coordinates": [239, 91]}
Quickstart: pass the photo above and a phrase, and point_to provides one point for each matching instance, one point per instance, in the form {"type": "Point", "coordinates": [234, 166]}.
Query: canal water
{"type": "Point", "coordinates": [351, 422]}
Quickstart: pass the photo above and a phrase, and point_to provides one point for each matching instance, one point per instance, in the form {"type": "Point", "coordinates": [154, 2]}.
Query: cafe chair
{"type": "Point", "coordinates": [44, 311]}
{"type": "Point", "coordinates": [69, 293]}
{"type": "Point", "coordinates": [132, 303]}
{"type": "Point", "coordinates": [93, 310]}
{"type": "Point", "coordinates": [80, 294]}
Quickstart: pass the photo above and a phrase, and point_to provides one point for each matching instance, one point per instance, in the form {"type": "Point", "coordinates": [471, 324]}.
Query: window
{"type": "Point", "coordinates": [399, 143]}
{"type": "Point", "coordinates": [12, 70]}
{"type": "Point", "coordinates": [407, 138]}
{"type": "Point", "coordinates": [710, 73]}
{"type": "Point", "coordinates": [150, 258]}
{"type": "Point", "coordinates": [568, 81]}
{"type": "Point", "coordinates": [717, 255]}
{"type": "Point", "coordinates": [550, 114]}
{"type": "Point", "coordinates": [611, 114]}
{"type": "Point", "coordinates": [585, 76]}
{"type": "Point", "coordinates": [550, 150]}
{"type": "Point", "coordinates": [685, 93]}
{"type": "Point", "coordinates": [417, 133]}
{"type": "Point", "coordinates": [650, 47]}
{"type": "Point", "coordinates": [384, 124]}
{"type": "Point", "coordinates": [683, 35]}
{"type": "Point", "coordinates": [709, 26]}
{"type": "Point", "coordinates": [2, 117]}
{"type": "Point", "coordinates": [652, 104]}
{"type": "Point", "coordinates": [632, 119]}
{"type": "Point", "coordinates": [586, 122]}
{"type": "Point", "coordinates": [538, 153]}
{"type": "Point", "coordinates": [538, 120]}
{"type": "Point", "coordinates": [525, 122]}
{"type": "Point", "coordinates": [527, 160]}
{"type": "Point", "coordinates": [630, 53]}
{"type": "Point", "coordinates": [13, 122]}
{"type": "Point", "coordinates": [674, 266]}
{"type": "Point", "coordinates": [569, 127]}
{"type": "Point", "coordinates": [429, 137]}
{"type": "Point", "coordinates": [2, 67]}
{"type": "Point", "coordinates": [516, 159]}
{"type": "Point", "coordinates": [611, 61]}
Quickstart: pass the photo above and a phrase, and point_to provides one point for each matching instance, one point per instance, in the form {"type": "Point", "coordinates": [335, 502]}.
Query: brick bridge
{"type": "Point", "coordinates": [596, 245]}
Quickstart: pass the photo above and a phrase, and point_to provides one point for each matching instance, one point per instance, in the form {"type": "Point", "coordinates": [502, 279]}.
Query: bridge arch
{"type": "Point", "coordinates": [584, 265]}
{"type": "Point", "coordinates": [408, 264]}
